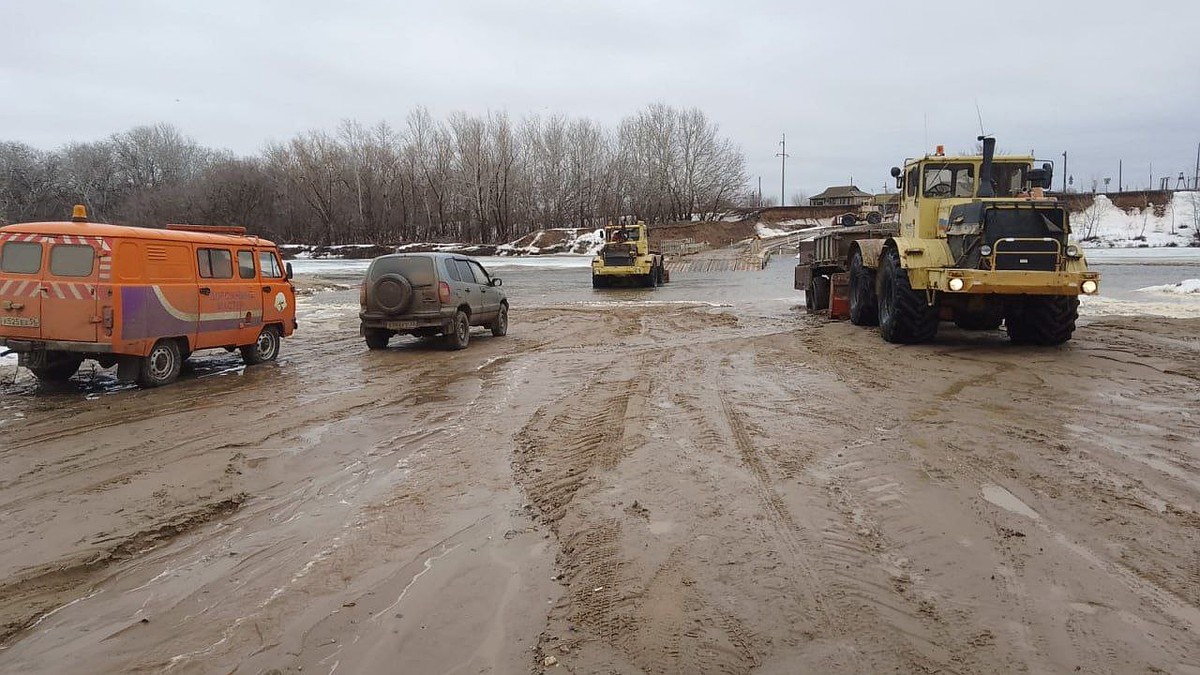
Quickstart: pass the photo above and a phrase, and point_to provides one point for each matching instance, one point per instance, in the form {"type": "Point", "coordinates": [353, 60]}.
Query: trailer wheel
{"type": "Point", "coordinates": [1042, 320]}
{"type": "Point", "coordinates": [864, 306]}
{"type": "Point", "coordinates": [816, 297]}
{"type": "Point", "coordinates": [904, 316]}
{"type": "Point", "coordinates": [874, 218]}
{"type": "Point", "coordinates": [848, 220]}
{"type": "Point", "coordinates": [56, 366]}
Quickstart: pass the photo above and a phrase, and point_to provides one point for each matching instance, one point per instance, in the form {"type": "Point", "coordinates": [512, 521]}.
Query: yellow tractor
{"type": "Point", "coordinates": [626, 259]}
{"type": "Point", "coordinates": [978, 242]}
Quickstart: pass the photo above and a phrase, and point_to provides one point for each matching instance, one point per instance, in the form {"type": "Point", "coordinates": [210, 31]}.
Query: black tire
{"type": "Point", "coordinates": [377, 338]}
{"type": "Point", "coordinates": [599, 281]}
{"type": "Point", "coordinates": [1042, 320]}
{"type": "Point", "coordinates": [864, 306]}
{"type": "Point", "coordinates": [265, 348]}
{"type": "Point", "coordinates": [874, 218]}
{"type": "Point", "coordinates": [392, 293]}
{"type": "Point", "coordinates": [460, 331]}
{"type": "Point", "coordinates": [658, 276]}
{"type": "Point", "coordinates": [820, 292]}
{"type": "Point", "coordinates": [161, 366]}
{"type": "Point", "coordinates": [500, 324]}
{"type": "Point", "coordinates": [847, 220]}
{"type": "Point", "coordinates": [904, 315]}
{"type": "Point", "coordinates": [985, 320]}
{"type": "Point", "coordinates": [648, 280]}
{"type": "Point", "coordinates": [57, 367]}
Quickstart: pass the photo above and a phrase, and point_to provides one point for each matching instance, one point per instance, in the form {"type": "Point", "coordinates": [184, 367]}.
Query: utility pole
{"type": "Point", "coordinates": [1120, 175]}
{"type": "Point", "coordinates": [1196, 177]}
{"type": "Point", "coordinates": [1064, 172]}
{"type": "Point", "coordinates": [1150, 185]}
{"type": "Point", "coordinates": [759, 204]}
{"type": "Point", "coordinates": [782, 155]}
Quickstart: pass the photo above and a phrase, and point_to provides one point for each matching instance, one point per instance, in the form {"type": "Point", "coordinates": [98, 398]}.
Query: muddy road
{"type": "Point", "coordinates": [616, 488]}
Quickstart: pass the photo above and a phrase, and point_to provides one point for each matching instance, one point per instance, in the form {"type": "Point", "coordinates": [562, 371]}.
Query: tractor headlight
{"type": "Point", "coordinates": [1073, 251]}
{"type": "Point", "coordinates": [956, 284]}
{"type": "Point", "coordinates": [985, 250]}
{"type": "Point", "coordinates": [1089, 287]}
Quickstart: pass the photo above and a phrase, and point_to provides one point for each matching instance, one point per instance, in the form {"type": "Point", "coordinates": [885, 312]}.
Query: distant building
{"type": "Point", "coordinates": [888, 202]}
{"type": "Point", "coordinates": [841, 195]}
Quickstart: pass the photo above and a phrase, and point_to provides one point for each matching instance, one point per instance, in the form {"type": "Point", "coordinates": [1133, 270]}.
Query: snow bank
{"type": "Point", "coordinates": [556, 241]}
{"type": "Point", "coordinates": [1185, 287]}
{"type": "Point", "coordinates": [1104, 225]}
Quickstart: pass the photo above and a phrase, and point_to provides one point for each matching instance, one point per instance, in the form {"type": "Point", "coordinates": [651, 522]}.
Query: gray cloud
{"type": "Point", "coordinates": [854, 85]}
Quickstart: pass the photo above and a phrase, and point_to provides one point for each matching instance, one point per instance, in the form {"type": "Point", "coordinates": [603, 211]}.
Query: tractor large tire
{"type": "Point", "coordinates": [904, 315]}
{"type": "Point", "coordinates": [1042, 320]}
{"type": "Point", "coordinates": [864, 306]}
{"type": "Point", "coordinates": [599, 281]}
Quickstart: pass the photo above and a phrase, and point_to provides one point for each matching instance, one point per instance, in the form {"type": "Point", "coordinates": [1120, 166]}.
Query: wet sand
{"type": "Point", "coordinates": [621, 488]}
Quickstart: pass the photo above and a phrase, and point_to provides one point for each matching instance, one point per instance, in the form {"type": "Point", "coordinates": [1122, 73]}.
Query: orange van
{"type": "Point", "coordinates": [141, 299]}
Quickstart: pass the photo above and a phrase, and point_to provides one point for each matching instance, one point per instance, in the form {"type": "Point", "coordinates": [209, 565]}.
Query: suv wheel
{"type": "Point", "coordinates": [377, 338]}
{"type": "Point", "coordinates": [500, 325]}
{"type": "Point", "coordinates": [460, 331]}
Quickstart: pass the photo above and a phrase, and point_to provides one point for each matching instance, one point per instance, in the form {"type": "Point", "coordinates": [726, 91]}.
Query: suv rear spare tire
{"type": "Point", "coordinates": [392, 293]}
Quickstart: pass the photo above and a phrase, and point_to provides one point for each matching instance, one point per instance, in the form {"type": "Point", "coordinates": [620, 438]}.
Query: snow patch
{"type": "Point", "coordinates": [1187, 286]}
{"type": "Point", "coordinates": [1104, 225]}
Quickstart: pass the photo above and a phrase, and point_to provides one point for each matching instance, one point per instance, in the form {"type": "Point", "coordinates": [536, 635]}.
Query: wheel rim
{"type": "Point", "coordinates": [266, 345]}
{"type": "Point", "coordinates": [503, 318]}
{"type": "Point", "coordinates": [462, 331]}
{"type": "Point", "coordinates": [162, 363]}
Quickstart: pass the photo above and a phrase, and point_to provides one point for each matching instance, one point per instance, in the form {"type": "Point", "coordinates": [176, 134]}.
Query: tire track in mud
{"type": "Point", "coordinates": [28, 598]}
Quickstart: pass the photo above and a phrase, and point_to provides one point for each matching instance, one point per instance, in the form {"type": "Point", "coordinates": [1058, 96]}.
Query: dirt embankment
{"type": "Point", "coordinates": [715, 234]}
{"type": "Point", "coordinates": [667, 489]}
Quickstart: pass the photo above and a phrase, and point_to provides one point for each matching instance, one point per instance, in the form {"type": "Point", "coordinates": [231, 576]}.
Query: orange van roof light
{"type": "Point", "coordinates": [941, 150]}
{"type": "Point", "coordinates": [79, 214]}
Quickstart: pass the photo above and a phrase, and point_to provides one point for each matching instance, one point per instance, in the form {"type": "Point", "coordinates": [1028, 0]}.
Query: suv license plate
{"type": "Point", "coordinates": [403, 325]}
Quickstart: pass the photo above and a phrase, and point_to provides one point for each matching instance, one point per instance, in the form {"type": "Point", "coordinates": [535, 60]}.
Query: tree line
{"type": "Point", "coordinates": [479, 178]}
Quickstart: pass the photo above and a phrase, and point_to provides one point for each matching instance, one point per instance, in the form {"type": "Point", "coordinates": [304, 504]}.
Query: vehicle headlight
{"type": "Point", "coordinates": [985, 250]}
{"type": "Point", "coordinates": [1073, 251]}
{"type": "Point", "coordinates": [1089, 287]}
{"type": "Point", "coordinates": [957, 284]}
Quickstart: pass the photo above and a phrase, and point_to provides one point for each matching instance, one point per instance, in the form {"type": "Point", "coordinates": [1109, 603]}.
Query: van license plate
{"type": "Point", "coordinates": [20, 321]}
{"type": "Point", "coordinates": [403, 325]}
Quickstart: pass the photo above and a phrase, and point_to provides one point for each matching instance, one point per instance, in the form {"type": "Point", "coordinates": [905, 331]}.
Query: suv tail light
{"type": "Point", "coordinates": [444, 292]}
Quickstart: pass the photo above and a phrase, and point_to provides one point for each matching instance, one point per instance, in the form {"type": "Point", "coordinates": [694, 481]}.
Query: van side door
{"type": "Point", "coordinates": [21, 262]}
{"type": "Point", "coordinates": [224, 300]}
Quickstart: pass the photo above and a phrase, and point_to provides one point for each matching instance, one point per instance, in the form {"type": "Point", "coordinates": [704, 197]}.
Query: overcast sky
{"type": "Point", "coordinates": [854, 85]}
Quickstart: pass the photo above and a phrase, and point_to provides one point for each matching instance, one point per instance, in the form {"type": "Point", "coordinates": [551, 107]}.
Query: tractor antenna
{"type": "Point", "coordinates": [979, 113]}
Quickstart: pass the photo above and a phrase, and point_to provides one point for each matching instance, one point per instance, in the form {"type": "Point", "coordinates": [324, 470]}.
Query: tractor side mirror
{"type": "Point", "coordinates": [1041, 177]}
{"type": "Point", "coordinates": [898, 175]}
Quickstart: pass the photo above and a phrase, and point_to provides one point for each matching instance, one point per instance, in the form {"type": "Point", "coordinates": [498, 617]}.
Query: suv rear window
{"type": "Point", "coordinates": [72, 260]}
{"type": "Point", "coordinates": [21, 257]}
{"type": "Point", "coordinates": [418, 270]}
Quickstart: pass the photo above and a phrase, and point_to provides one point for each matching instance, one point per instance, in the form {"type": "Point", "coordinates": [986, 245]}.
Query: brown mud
{"type": "Point", "coordinates": [608, 489]}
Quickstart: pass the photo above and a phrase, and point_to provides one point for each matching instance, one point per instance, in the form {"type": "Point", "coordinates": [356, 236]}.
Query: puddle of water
{"type": "Point", "coordinates": [1008, 501]}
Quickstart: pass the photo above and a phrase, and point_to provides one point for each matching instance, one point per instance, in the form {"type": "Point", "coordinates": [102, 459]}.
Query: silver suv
{"type": "Point", "coordinates": [428, 294]}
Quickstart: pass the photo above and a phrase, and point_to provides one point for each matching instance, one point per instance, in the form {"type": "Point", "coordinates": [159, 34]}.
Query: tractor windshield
{"type": "Point", "coordinates": [624, 234]}
{"type": "Point", "coordinates": [1009, 178]}
{"type": "Point", "coordinates": [949, 180]}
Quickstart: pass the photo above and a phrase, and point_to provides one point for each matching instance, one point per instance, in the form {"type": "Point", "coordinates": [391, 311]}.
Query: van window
{"type": "Point", "coordinates": [269, 265]}
{"type": "Point", "coordinates": [214, 263]}
{"type": "Point", "coordinates": [72, 260]}
{"type": "Point", "coordinates": [21, 257]}
{"type": "Point", "coordinates": [246, 264]}
{"type": "Point", "coordinates": [464, 271]}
